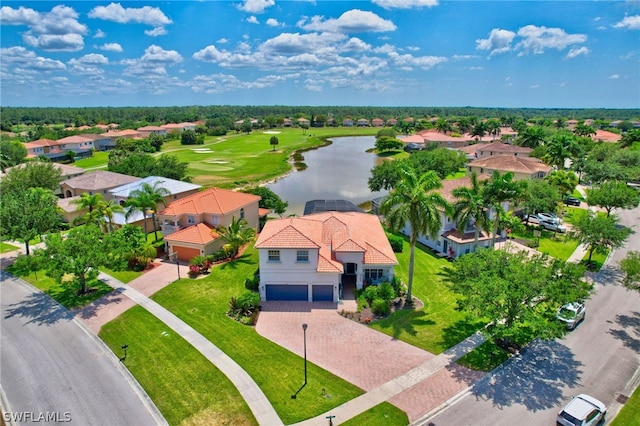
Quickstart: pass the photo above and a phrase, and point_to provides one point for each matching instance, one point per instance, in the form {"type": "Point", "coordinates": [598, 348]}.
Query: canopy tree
{"type": "Point", "coordinates": [269, 199]}
{"type": "Point", "coordinates": [28, 214]}
{"type": "Point", "coordinates": [32, 174]}
{"type": "Point", "coordinates": [630, 265]}
{"type": "Point", "coordinates": [613, 194]}
{"type": "Point", "coordinates": [599, 233]}
{"type": "Point", "coordinates": [540, 196]}
{"type": "Point", "coordinates": [386, 143]}
{"type": "Point", "coordinates": [519, 294]}
{"type": "Point", "coordinates": [415, 202]}
{"type": "Point", "coordinates": [274, 141]}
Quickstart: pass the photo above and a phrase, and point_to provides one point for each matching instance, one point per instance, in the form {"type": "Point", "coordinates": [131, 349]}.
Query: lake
{"type": "Point", "coordinates": [339, 171]}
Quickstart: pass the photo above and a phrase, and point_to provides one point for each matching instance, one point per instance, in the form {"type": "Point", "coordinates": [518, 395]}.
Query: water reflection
{"type": "Point", "coordinates": [338, 171]}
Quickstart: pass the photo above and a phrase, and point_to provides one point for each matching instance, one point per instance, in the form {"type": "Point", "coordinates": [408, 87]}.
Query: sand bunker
{"type": "Point", "coordinates": [271, 132]}
{"type": "Point", "coordinates": [201, 150]}
{"type": "Point", "coordinates": [218, 162]}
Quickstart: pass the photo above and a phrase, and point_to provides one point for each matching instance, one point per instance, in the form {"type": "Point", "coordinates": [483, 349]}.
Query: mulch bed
{"type": "Point", "coordinates": [365, 316]}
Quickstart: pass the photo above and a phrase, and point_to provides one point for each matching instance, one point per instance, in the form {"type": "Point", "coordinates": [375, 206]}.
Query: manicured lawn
{"type": "Point", "coordinates": [554, 244]}
{"type": "Point", "coordinates": [437, 326]}
{"type": "Point", "coordinates": [202, 304]}
{"type": "Point", "coordinates": [66, 294]}
{"type": "Point", "coordinates": [630, 413]}
{"type": "Point", "coordinates": [384, 414]}
{"type": "Point", "coordinates": [182, 383]}
{"type": "Point", "coordinates": [97, 161]}
{"type": "Point", "coordinates": [597, 260]}
{"type": "Point", "coordinates": [485, 357]}
{"type": "Point", "coordinates": [123, 276]}
{"type": "Point", "coordinates": [459, 174]}
{"type": "Point", "coordinates": [5, 248]}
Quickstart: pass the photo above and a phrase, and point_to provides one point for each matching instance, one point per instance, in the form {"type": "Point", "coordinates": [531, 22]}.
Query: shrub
{"type": "Point", "coordinates": [252, 284]}
{"type": "Point", "coordinates": [398, 286]}
{"type": "Point", "coordinates": [370, 293]}
{"type": "Point", "coordinates": [396, 242]}
{"type": "Point", "coordinates": [386, 292]}
{"type": "Point", "coordinates": [380, 307]}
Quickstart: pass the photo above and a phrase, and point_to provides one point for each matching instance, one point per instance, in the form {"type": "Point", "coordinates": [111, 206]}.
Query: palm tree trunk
{"type": "Point", "coordinates": [144, 215]}
{"type": "Point", "coordinates": [412, 249]}
{"type": "Point", "coordinates": [476, 235]}
{"type": "Point", "coordinates": [155, 230]}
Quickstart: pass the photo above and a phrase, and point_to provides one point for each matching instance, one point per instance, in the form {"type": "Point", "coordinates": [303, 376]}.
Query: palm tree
{"type": "Point", "coordinates": [559, 149]}
{"type": "Point", "coordinates": [237, 234]}
{"type": "Point", "coordinates": [415, 201]}
{"type": "Point", "coordinates": [146, 200]}
{"type": "Point", "coordinates": [565, 181]}
{"type": "Point", "coordinates": [498, 190]}
{"type": "Point", "coordinates": [531, 137]}
{"type": "Point", "coordinates": [88, 201]}
{"type": "Point", "coordinates": [469, 206]}
{"type": "Point", "coordinates": [107, 210]}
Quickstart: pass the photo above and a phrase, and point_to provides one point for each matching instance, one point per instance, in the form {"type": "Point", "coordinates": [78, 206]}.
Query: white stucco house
{"type": "Point", "coordinates": [314, 257]}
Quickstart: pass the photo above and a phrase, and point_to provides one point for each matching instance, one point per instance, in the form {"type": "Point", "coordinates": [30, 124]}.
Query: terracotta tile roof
{"type": "Point", "coordinates": [263, 212]}
{"type": "Point", "coordinates": [509, 163]}
{"type": "Point", "coordinates": [340, 231]}
{"type": "Point", "coordinates": [448, 185]}
{"type": "Point", "coordinates": [151, 129]}
{"type": "Point", "coordinates": [40, 143]}
{"type": "Point", "coordinates": [412, 138]}
{"type": "Point", "coordinates": [200, 233]}
{"type": "Point", "coordinates": [75, 139]}
{"type": "Point", "coordinates": [100, 179]}
{"type": "Point", "coordinates": [499, 147]}
{"type": "Point", "coordinates": [461, 238]}
{"type": "Point", "coordinates": [326, 264]}
{"type": "Point", "coordinates": [469, 149]}
{"type": "Point", "coordinates": [604, 136]}
{"type": "Point", "coordinates": [433, 135]}
{"type": "Point", "coordinates": [212, 200]}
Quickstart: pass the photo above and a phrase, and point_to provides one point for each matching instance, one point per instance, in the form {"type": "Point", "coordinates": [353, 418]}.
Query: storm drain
{"type": "Point", "coordinates": [622, 399]}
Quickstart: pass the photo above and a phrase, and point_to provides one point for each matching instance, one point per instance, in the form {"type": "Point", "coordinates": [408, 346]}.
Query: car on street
{"type": "Point", "coordinates": [553, 226]}
{"type": "Point", "coordinates": [582, 410]}
{"type": "Point", "coordinates": [571, 314]}
{"type": "Point", "coordinates": [572, 201]}
{"type": "Point", "coordinates": [548, 217]}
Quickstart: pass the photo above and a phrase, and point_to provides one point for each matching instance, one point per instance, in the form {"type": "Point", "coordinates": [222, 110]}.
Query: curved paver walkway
{"type": "Point", "coordinates": [252, 394]}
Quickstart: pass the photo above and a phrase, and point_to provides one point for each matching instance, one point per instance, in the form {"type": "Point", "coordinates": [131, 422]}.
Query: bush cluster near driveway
{"type": "Point", "coordinates": [203, 305]}
{"type": "Point", "coordinates": [439, 324]}
{"type": "Point", "coordinates": [184, 385]}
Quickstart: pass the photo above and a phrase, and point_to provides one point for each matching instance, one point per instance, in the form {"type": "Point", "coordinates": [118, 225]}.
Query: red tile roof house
{"type": "Point", "coordinates": [484, 150]}
{"type": "Point", "coordinates": [523, 168]}
{"type": "Point", "coordinates": [98, 182]}
{"type": "Point", "coordinates": [188, 224]}
{"type": "Point", "coordinates": [310, 258]}
{"type": "Point", "coordinates": [444, 141]}
{"type": "Point", "coordinates": [148, 130]}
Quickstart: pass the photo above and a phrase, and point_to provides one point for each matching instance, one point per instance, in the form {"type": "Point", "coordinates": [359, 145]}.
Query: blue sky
{"type": "Point", "coordinates": [566, 54]}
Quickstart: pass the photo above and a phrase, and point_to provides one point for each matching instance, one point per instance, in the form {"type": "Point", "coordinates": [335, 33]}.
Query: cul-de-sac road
{"type": "Point", "coordinates": [51, 368]}
{"type": "Point", "coordinates": [601, 358]}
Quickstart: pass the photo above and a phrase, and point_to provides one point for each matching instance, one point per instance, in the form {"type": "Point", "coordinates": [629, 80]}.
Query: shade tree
{"type": "Point", "coordinates": [613, 194]}
{"type": "Point", "coordinates": [599, 233]}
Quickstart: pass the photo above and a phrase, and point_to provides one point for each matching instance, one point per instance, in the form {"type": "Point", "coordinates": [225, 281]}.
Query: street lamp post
{"type": "Point", "coordinates": [124, 348]}
{"type": "Point", "coordinates": [304, 333]}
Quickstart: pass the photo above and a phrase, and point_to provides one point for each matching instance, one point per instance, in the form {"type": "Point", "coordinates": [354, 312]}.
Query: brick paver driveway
{"type": "Point", "coordinates": [358, 354]}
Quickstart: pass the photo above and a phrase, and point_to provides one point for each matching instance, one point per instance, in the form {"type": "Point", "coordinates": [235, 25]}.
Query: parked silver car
{"type": "Point", "coordinates": [553, 226]}
{"type": "Point", "coordinates": [571, 314]}
{"type": "Point", "coordinates": [549, 217]}
{"type": "Point", "coordinates": [582, 410]}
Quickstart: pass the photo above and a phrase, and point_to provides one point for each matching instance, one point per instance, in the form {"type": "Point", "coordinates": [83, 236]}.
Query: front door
{"type": "Point", "coordinates": [351, 269]}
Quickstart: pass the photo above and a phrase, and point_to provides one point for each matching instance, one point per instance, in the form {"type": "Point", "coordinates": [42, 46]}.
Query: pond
{"type": "Point", "coordinates": [339, 171]}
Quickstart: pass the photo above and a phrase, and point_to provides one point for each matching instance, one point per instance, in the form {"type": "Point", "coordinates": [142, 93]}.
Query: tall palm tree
{"type": "Point", "coordinates": [237, 234]}
{"type": "Point", "coordinates": [88, 201]}
{"type": "Point", "coordinates": [471, 206]}
{"type": "Point", "coordinates": [415, 201]}
{"type": "Point", "coordinates": [499, 189]}
{"type": "Point", "coordinates": [107, 210]}
{"type": "Point", "coordinates": [146, 200]}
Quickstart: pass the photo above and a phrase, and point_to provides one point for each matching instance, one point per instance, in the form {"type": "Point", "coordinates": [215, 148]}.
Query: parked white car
{"type": "Point", "coordinates": [582, 410]}
{"type": "Point", "coordinates": [549, 217]}
{"type": "Point", "coordinates": [553, 226]}
{"type": "Point", "coordinates": [571, 314]}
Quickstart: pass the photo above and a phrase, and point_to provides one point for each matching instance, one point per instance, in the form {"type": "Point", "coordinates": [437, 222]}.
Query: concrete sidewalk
{"type": "Point", "coordinates": [250, 391]}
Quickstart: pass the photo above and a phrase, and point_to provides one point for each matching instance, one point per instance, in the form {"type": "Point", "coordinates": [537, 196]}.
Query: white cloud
{"type": "Point", "coordinates": [222, 41]}
{"type": "Point", "coordinates": [157, 54]}
{"type": "Point", "coordinates": [614, 77]}
{"type": "Point", "coordinates": [405, 4]}
{"type": "Point", "coordinates": [152, 63]}
{"type": "Point", "coordinates": [295, 43]}
{"type": "Point", "coordinates": [57, 30]}
{"type": "Point", "coordinates": [413, 48]}
{"type": "Point", "coordinates": [157, 31]}
{"type": "Point", "coordinates": [499, 41]}
{"type": "Point", "coordinates": [356, 45]}
{"type": "Point", "coordinates": [143, 15]}
{"type": "Point", "coordinates": [21, 58]}
{"type": "Point", "coordinates": [111, 47]}
{"type": "Point", "coordinates": [352, 21]}
{"type": "Point", "coordinates": [629, 22]}
{"type": "Point", "coordinates": [252, 20]}
{"type": "Point", "coordinates": [537, 39]}
{"type": "Point", "coordinates": [476, 68]}
{"type": "Point", "coordinates": [410, 61]}
{"type": "Point", "coordinates": [534, 86]}
{"type": "Point", "coordinates": [256, 6]}
{"type": "Point", "coordinates": [274, 23]}
{"type": "Point", "coordinates": [90, 59]}
{"type": "Point", "coordinates": [577, 52]}
{"type": "Point", "coordinates": [99, 34]}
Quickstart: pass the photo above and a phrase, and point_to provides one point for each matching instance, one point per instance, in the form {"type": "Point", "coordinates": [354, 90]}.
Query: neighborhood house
{"type": "Point", "coordinates": [313, 258]}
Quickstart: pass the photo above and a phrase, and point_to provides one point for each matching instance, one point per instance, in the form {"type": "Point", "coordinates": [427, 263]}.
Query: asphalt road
{"type": "Point", "coordinates": [601, 358]}
{"type": "Point", "coordinates": [53, 368]}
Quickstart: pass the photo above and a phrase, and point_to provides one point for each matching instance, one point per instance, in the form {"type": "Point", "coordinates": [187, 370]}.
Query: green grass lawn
{"type": "Point", "coordinates": [597, 260]}
{"type": "Point", "coordinates": [383, 414]}
{"type": "Point", "coordinates": [552, 243]}
{"type": "Point", "coordinates": [99, 160]}
{"type": "Point", "coordinates": [437, 326]}
{"type": "Point", "coordinates": [485, 357]}
{"type": "Point", "coordinates": [630, 413]}
{"type": "Point", "coordinates": [123, 276]}
{"type": "Point", "coordinates": [183, 384]}
{"type": "Point", "coordinates": [6, 248]}
{"type": "Point", "coordinates": [202, 304]}
{"type": "Point", "coordinates": [66, 293]}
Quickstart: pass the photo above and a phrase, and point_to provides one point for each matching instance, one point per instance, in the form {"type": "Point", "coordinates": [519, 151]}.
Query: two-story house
{"type": "Point", "coordinates": [311, 258]}
{"type": "Point", "coordinates": [188, 224]}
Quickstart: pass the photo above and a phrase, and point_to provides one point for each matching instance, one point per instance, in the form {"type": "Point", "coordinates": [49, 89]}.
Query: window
{"type": "Point", "coordinates": [215, 220]}
{"type": "Point", "coordinates": [274, 255]}
{"type": "Point", "coordinates": [241, 213]}
{"type": "Point", "coordinates": [373, 274]}
{"type": "Point", "coordinates": [191, 220]}
{"type": "Point", "coordinates": [302, 256]}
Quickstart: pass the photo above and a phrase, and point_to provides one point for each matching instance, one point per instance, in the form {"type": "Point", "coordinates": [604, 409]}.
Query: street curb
{"type": "Point", "coordinates": [629, 389]}
{"type": "Point", "coordinates": [5, 407]}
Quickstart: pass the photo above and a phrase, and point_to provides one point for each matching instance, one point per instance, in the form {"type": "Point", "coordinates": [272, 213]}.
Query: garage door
{"type": "Point", "coordinates": [186, 253]}
{"type": "Point", "coordinates": [323, 293]}
{"type": "Point", "coordinates": [287, 292]}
